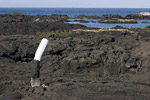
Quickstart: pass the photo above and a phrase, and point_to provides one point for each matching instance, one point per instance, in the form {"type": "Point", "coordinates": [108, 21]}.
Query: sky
{"type": "Point", "coordinates": [77, 3]}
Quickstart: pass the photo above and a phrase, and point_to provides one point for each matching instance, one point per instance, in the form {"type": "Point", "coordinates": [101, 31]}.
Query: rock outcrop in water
{"type": "Point", "coordinates": [87, 17]}
{"type": "Point", "coordinates": [111, 16]}
{"type": "Point", "coordinates": [118, 27]}
{"type": "Point", "coordinates": [139, 16]}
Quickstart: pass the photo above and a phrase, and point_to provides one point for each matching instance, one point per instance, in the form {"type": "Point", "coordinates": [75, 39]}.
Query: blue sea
{"type": "Point", "coordinates": [74, 12]}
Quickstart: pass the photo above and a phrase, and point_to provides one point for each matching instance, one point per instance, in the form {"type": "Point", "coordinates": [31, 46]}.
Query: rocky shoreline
{"type": "Point", "coordinates": [114, 18]}
{"type": "Point", "coordinates": [17, 23]}
{"type": "Point", "coordinates": [137, 16]}
{"type": "Point", "coordinates": [79, 63]}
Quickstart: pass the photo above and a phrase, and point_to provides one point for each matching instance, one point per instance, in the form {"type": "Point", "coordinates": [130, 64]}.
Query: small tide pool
{"type": "Point", "coordinates": [92, 23]}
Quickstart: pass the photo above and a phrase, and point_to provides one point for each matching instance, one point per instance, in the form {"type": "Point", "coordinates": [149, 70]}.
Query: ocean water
{"type": "Point", "coordinates": [74, 12]}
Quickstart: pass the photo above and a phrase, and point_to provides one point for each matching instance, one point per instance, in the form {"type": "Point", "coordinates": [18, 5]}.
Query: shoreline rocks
{"type": "Point", "coordinates": [18, 17]}
{"type": "Point", "coordinates": [137, 16]}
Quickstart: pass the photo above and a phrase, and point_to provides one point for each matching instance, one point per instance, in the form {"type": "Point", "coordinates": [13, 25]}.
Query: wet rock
{"type": "Point", "coordinates": [87, 17]}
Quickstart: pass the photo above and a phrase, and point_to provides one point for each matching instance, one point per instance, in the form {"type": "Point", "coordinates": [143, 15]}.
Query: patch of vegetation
{"type": "Point", "coordinates": [98, 30]}
{"type": "Point", "coordinates": [50, 20]}
{"type": "Point", "coordinates": [128, 21]}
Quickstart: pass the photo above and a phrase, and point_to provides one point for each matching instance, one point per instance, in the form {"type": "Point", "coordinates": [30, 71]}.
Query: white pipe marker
{"type": "Point", "coordinates": [40, 49]}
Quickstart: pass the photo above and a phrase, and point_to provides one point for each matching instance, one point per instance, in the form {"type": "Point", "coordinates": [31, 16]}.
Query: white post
{"type": "Point", "coordinates": [35, 79]}
{"type": "Point", "coordinates": [40, 50]}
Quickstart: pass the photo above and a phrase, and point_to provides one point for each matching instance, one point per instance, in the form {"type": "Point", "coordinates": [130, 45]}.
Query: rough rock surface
{"type": "Point", "coordinates": [82, 66]}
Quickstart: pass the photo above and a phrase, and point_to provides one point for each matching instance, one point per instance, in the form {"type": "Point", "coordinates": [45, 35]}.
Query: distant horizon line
{"type": "Point", "coordinates": [77, 7]}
